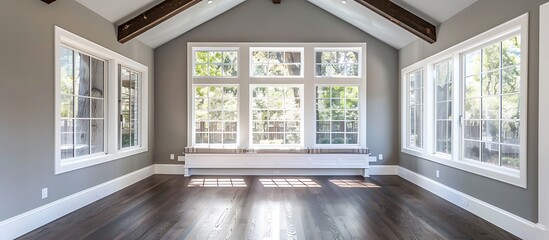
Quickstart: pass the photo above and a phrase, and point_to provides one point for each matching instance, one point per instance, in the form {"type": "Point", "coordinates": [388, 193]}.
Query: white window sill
{"type": "Point", "coordinates": [509, 176]}
{"type": "Point", "coordinates": [67, 165]}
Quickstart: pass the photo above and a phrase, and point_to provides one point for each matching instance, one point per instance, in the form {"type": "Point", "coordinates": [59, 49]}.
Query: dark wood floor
{"type": "Point", "coordinates": [166, 207]}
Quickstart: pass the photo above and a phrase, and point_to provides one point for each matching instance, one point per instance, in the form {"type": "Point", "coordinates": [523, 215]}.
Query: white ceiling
{"type": "Point", "coordinates": [435, 11]}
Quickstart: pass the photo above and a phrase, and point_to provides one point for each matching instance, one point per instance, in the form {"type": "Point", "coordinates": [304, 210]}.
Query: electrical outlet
{"type": "Point", "coordinates": [181, 158]}
{"type": "Point", "coordinates": [172, 156]}
{"type": "Point", "coordinates": [380, 156]}
{"type": "Point", "coordinates": [438, 173]}
{"type": "Point", "coordinates": [44, 193]}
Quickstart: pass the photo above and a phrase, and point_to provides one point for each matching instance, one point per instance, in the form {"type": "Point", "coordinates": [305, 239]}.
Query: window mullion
{"type": "Point", "coordinates": [308, 105]}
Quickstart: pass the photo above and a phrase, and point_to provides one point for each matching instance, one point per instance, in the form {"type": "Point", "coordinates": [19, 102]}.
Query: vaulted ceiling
{"type": "Point", "coordinates": [434, 11]}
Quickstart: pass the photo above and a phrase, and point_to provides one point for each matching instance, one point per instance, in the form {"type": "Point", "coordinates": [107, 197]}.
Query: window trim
{"type": "Point", "coordinates": [518, 25]}
{"type": "Point", "coordinates": [245, 80]}
{"type": "Point", "coordinates": [112, 59]}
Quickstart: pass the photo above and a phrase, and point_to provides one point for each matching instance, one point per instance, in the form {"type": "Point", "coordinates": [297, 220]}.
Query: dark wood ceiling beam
{"type": "Point", "coordinates": [277, 1]}
{"type": "Point", "coordinates": [152, 17]}
{"type": "Point", "coordinates": [48, 1]}
{"type": "Point", "coordinates": [403, 18]}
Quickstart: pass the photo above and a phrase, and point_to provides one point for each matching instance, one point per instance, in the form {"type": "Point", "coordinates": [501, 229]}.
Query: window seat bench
{"type": "Point", "coordinates": [277, 161]}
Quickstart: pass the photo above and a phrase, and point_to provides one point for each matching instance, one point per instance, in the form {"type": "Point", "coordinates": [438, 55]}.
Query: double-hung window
{"type": "Point", "coordinates": [466, 107]}
{"type": "Point", "coordinates": [277, 95]}
{"type": "Point", "coordinates": [100, 115]}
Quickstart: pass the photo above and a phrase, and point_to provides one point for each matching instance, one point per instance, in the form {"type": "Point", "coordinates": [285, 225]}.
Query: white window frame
{"type": "Point", "coordinates": [406, 113]}
{"type": "Point", "coordinates": [111, 125]}
{"type": "Point", "coordinates": [308, 81]}
{"type": "Point", "coordinates": [518, 25]}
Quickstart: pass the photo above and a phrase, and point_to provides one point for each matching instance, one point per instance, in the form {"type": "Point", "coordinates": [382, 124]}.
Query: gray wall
{"type": "Point", "coordinates": [479, 17]}
{"type": "Point", "coordinates": [27, 102]}
{"type": "Point", "coordinates": [261, 21]}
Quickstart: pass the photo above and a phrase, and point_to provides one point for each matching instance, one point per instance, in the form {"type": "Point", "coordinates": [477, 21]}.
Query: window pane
{"type": "Point", "coordinates": [98, 78]}
{"type": "Point", "coordinates": [510, 157]}
{"type": "Point", "coordinates": [471, 150]}
{"type": "Point", "coordinates": [490, 84]}
{"type": "Point", "coordinates": [67, 138]}
{"type": "Point", "coordinates": [82, 74]}
{"type": "Point", "coordinates": [511, 80]}
{"type": "Point", "coordinates": [510, 132]}
{"type": "Point", "coordinates": [67, 104]}
{"type": "Point", "coordinates": [471, 130]}
{"type": "Point", "coordinates": [97, 136]}
{"type": "Point", "coordinates": [490, 57]}
{"type": "Point", "coordinates": [66, 71]}
{"type": "Point", "coordinates": [415, 109]}
{"type": "Point", "coordinates": [511, 51]}
{"type": "Point", "coordinates": [490, 153]}
{"type": "Point", "coordinates": [82, 138]}
{"type": "Point", "coordinates": [82, 107]}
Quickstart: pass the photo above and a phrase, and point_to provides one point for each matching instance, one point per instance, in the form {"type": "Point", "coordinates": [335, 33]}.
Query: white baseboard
{"type": "Point", "coordinates": [172, 169]}
{"type": "Point", "coordinates": [512, 223]}
{"type": "Point", "coordinates": [21, 224]}
{"type": "Point", "coordinates": [379, 170]}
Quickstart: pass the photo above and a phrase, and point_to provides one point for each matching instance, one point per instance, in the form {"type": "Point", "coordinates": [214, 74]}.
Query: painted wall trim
{"type": "Point", "coordinates": [543, 131]}
{"type": "Point", "coordinates": [512, 223]}
{"type": "Point", "coordinates": [21, 224]}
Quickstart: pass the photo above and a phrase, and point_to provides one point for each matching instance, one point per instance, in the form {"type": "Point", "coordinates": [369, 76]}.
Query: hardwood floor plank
{"type": "Point", "coordinates": [166, 207]}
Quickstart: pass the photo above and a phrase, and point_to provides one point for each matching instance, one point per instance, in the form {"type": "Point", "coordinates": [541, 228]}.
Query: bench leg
{"type": "Point", "coordinates": [365, 172]}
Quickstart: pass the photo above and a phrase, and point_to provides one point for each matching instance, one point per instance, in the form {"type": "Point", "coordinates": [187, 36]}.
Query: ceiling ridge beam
{"type": "Point", "coordinates": [152, 17]}
{"type": "Point", "coordinates": [403, 18]}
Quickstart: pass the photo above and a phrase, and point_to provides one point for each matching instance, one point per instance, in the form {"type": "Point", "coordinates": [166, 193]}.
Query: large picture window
{"type": "Point", "coordinates": [278, 89]}
{"type": "Point", "coordinates": [100, 107]}
{"type": "Point", "coordinates": [470, 111]}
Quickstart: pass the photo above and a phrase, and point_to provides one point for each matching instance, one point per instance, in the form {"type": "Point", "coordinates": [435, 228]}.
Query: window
{"type": "Point", "coordinates": [492, 103]}
{"type": "Point", "coordinates": [276, 63]}
{"type": "Point", "coordinates": [216, 63]}
{"type": "Point", "coordinates": [337, 115]}
{"type": "Point", "coordinates": [443, 106]}
{"type": "Point", "coordinates": [276, 115]}
{"type": "Point", "coordinates": [87, 113]}
{"type": "Point", "coordinates": [275, 93]}
{"type": "Point", "coordinates": [216, 115]}
{"type": "Point", "coordinates": [415, 109]}
{"type": "Point", "coordinates": [474, 97]}
{"type": "Point", "coordinates": [337, 63]}
{"type": "Point", "coordinates": [82, 104]}
{"type": "Point", "coordinates": [129, 107]}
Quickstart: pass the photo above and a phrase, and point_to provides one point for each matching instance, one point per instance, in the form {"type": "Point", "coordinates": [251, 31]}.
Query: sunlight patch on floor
{"type": "Point", "coordinates": [350, 183]}
{"type": "Point", "coordinates": [217, 182]}
{"type": "Point", "coordinates": [289, 183]}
